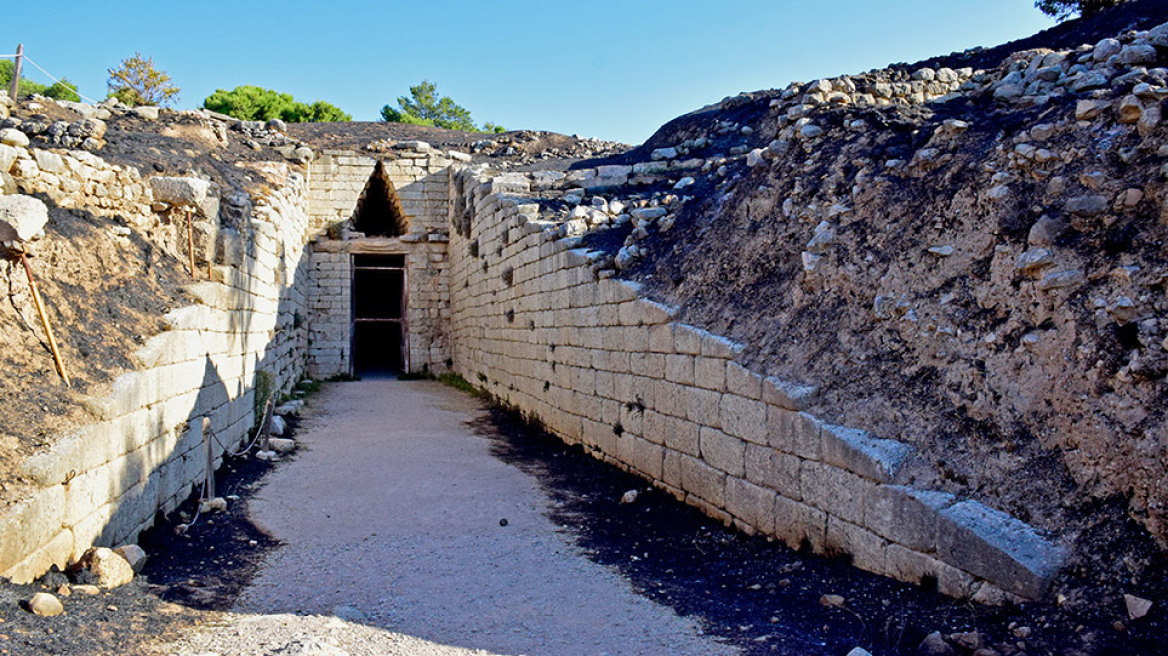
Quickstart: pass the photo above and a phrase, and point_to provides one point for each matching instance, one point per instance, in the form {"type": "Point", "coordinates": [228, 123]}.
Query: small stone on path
{"type": "Point", "coordinates": [45, 605]}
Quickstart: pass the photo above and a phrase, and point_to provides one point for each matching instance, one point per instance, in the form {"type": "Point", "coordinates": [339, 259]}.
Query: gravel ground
{"type": "Point", "coordinates": [397, 517]}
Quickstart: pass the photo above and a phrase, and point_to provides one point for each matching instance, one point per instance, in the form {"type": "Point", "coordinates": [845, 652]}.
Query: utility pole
{"type": "Point", "coordinates": [16, 72]}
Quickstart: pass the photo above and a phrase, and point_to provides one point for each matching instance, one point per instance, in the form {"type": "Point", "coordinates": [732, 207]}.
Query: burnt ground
{"type": "Point", "coordinates": [756, 594]}
{"type": "Point", "coordinates": [189, 577]}
{"type": "Point", "coordinates": [104, 295]}
{"type": "Point", "coordinates": [764, 597]}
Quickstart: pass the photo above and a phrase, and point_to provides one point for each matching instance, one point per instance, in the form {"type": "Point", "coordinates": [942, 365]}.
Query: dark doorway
{"type": "Point", "coordinates": [380, 332]}
{"type": "Point", "coordinates": [379, 211]}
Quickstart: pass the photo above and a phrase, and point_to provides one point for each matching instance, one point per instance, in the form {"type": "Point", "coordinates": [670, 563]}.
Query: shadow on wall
{"type": "Point", "coordinates": [379, 211]}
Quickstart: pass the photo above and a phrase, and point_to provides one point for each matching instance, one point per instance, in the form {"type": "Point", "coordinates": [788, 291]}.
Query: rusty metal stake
{"type": "Point", "coordinates": [191, 240]}
{"type": "Point", "coordinates": [40, 306]}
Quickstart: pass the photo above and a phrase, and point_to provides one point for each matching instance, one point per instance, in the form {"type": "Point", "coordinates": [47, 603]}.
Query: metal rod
{"type": "Point", "coordinates": [191, 240]}
{"type": "Point", "coordinates": [15, 89]}
{"type": "Point", "coordinates": [209, 489]}
{"type": "Point", "coordinates": [40, 306]}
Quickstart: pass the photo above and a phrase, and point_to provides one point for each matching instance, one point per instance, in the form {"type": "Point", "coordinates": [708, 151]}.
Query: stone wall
{"type": "Point", "coordinates": [330, 287]}
{"type": "Point", "coordinates": [103, 484]}
{"type": "Point", "coordinates": [536, 326]}
{"type": "Point", "coordinates": [420, 176]}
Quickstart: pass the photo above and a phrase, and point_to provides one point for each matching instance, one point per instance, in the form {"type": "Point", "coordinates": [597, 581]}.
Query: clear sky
{"type": "Point", "coordinates": [615, 69]}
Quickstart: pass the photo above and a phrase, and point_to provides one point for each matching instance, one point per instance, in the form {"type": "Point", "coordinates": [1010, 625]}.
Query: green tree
{"type": "Point", "coordinates": [137, 82]}
{"type": "Point", "coordinates": [318, 111]}
{"type": "Point", "coordinates": [252, 103]}
{"type": "Point", "coordinates": [425, 106]}
{"type": "Point", "coordinates": [63, 90]}
{"type": "Point", "coordinates": [1063, 9]}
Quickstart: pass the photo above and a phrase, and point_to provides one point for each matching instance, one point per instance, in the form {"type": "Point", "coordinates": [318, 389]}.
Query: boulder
{"type": "Point", "coordinates": [21, 217]}
{"type": "Point", "coordinates": [13, 137]}
{"type": "Point", "coordinates": [133, 554]}
{"type": "Point", "coordinates": [109, 569]}
{"type": "Point", "coordinates": [185, 192]}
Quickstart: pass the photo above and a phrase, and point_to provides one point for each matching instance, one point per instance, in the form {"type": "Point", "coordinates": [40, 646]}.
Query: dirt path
{"type": "Point", "coordinates": [393, 518]}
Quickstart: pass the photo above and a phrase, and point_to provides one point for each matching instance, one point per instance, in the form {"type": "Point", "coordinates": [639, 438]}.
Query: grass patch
{"type": "Point", "coordinates": [451, 379]}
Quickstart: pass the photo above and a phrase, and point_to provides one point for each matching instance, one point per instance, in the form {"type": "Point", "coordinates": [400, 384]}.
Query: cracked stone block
{"type": "Point", "coordinates": [860, 452]}
{"type": "Point", "coordinates": [797, 433]}
{"type": "Point", "coordinates": [1001, 549]}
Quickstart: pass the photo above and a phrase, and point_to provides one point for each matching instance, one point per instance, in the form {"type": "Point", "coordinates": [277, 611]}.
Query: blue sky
{"type": "Point", "coordinates": [603, 68]}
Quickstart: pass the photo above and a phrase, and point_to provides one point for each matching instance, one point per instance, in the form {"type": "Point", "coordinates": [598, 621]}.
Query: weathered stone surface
{"type": "Point", "coordinates": [108, 567]}
{"type": "Point", "coordinates": [13, 137]}
{"type": "Point", "coordinates": [21, 217]}
{"type": "Point", "coordinates": [184, 192]}
{"type": "Point", "coordinates": [860, 452]}
{"type": "Point", "coordinates": [906, 515]}
{"type": "Point", "coordinates": [992, 545]}
{"type": "Point", "coordinates": [134, 555]}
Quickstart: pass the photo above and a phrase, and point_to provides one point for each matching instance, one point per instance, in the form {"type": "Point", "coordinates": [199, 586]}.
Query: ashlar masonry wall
{"type": "Point", "coordinates": [420, 176]}
{"type": "Point", "coordinates": [102, 484]}
{"type": "Point", "coordinates": [600, 366]}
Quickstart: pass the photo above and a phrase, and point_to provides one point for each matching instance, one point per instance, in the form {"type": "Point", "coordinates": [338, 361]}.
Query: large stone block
{"type": "Point", "coordinates": [744, 417]}
{"type": "Point", "coordinates": [796, 523]}
{"type": "Point", "coordinates": [797, 433]}
{"type": "Point", "coordinates": [862, 453]}
{"type": "Point", "coordinates": [704, 407]}
{"type": "Point", "coordinates": [725, 452]}
{"type": "Point", "coordinates": [30, 524]}
{"type": "Point", "coordinates": [742, 381]}
{"type": "Point", "coordinates": [640, 454]}
{"type": "Point", "coordinates": [702, 480]}
{"type": "Point", "coordinates": [835, 491]}
{"type": "Point", "coordinates": [750, 503]}
{"type": "Point", "coordinates": [865, 547]}
{"type": "Point", "coordinates": [1003, 550]}
{"type": "Point", "coordinates": [906, 515]}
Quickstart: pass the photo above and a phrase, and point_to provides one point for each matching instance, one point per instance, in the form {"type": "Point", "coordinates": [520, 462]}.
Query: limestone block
{"type": "Point", "coordinates": [752, 504]}
{"type": "Point", "coordinates": [30, 524]}
{"type": "Point", "coordinates": [835, 491]}
{"type": "Point", "coordinates": [867, 549]}
{"type": "Point", "coordinates": [701, 480]}
{"type": "Point", "coordinates": [796, 523]}
{"type": "Point", "coordinates": [704, 406]}
{"type": "Point", "coordinates": [669, 398]}
{"type": "Point", "coordinates": [661, 338]}
{"type": "Point", "coordinates": [773, 469]}
{"type": "Point", "coordinates": [643, 455]}
{"type": "Point", "coordinates": [743, 382]}
{"type": "Point", "coordinates": [862, 453]}
{"type": "Point", "coordinates": [598, 435]}
{"type": "Point", "coordinates": [745, 418]}
{"type": "Point", "coordinates": [797, 433]}
{"type": "Point", "coordinates": [722, 451]}
{"type": "Point", "coordinates": [710, 373]}
{"type": "Point", "coordinates": [679, 369]}
{"type": "Point", "coordinates": [788, 395]}
{"type": "Point", "coordinates": [58, 551]}
{"type": "Point", "coordinates": [683, 436]}
{"type": "Point", "coordinates": [906, 515]}
{"type": "Point", "coordinates": [993, 545]}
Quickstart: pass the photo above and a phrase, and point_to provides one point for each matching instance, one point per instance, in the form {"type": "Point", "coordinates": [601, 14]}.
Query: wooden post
{"type": "Point", "coordinates": [14, 91]}
{"type": "Point", "coordinates": [191, 240]}
{"type": "Point", "coordinates": [40, 306]}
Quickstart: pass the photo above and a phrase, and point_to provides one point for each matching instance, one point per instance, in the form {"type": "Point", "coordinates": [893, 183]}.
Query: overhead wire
{"type": "Point", "coordinates": [50, 75]}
